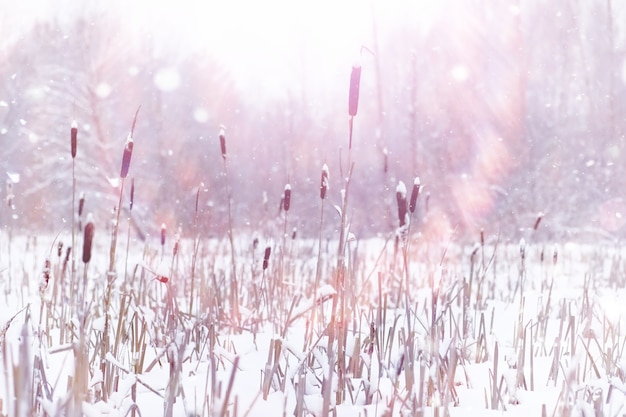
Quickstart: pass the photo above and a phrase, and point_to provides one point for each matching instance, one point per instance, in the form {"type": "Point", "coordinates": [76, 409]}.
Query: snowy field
{"type": "Point", "coordinates": [534, 330]}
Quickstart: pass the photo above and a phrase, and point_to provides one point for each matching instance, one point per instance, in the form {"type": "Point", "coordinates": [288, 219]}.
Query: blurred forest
{"type": "Point", "coordinates": [517, 110]}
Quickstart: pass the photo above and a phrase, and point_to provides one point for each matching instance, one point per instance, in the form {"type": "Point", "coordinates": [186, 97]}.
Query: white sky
{"type": "Point", "coordinates": [265, 40]}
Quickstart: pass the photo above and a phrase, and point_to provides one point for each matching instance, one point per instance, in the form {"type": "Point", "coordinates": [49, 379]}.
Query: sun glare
{"type": "Point", "coordinates": [270, 41]}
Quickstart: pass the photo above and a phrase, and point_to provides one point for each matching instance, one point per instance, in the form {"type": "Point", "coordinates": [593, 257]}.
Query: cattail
{"type": "Point", "coordinates": [266, 257]}
{"type": "Point", "coordinates": [539, 217]}
{"type": "Point", "coordinates": [128, 153]}
{"type": "Point", "coordinates": [162, 234]}
{"type": "Point", "coordinates": [223, 141]}
{"type": "Point", "coordinates": [73, 137]}
{"type": "Point", "coordinates": [68, 251]}
{"type": "Point", "coordinates": [414, 193]}
{"type": "Point", "coordinates": [176, 244]}
{"type": "Point", "coordinates": [522, 248]}
{"type": "Point", "coordinates": [132, 193]}
{"type": "Point", "coordinates": [45, 277]}
{"type": "Point", "coordinates": [287, 197]}
{"type": "Point", "coordinates": [198, 197]}
{"type": "Point", "coordinates": [401, 199]}
{"type": "Point", "coordinates": [294, 233]}
{"type": "Point", "coordinates": [555, 256]}
{"type": "Point", "coordinates": [88, 238]}
{"type": "Point", "coordinates": [353, 98]}
{"type": "Point", "coordinates": [59, 249]}
{"type": "Point", "coordinates": [81, 204]}
{"type": "Point", "coordinates": [81, 207]}
{"type": "Point", "coordinates": [10, 194]}
{"type": "Point", "coordinates": [324, 182]}
{"type": "Point", "coordinates": [385, 159]}
{"type": "Point", "coordinates": [255, 243]}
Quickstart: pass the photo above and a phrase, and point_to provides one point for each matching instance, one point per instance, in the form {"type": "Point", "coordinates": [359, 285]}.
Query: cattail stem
{"type": "Point", "coordinates": [194, 256]}
{"type": "Point", "coordinates": [73, 285]}
{"type": "Point", "coordinates": [73, 145]}
{"type": "Point", "coordinates": [233, 284]}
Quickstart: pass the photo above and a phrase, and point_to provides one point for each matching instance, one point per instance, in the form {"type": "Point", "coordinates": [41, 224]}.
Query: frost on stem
{"type": "Point", "coordinates": [128, 153]}
{"type": "Point", "coordinates": [132, 193]}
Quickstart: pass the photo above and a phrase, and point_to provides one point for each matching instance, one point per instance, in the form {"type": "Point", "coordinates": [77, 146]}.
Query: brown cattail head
{"type": "Point", "coordinates": [539, 217]}
{"type": "Point", "coordinates": [385, 159]}
{"type": "Point", "coordinates": [176, 244]}
{"type": "Point", "coordinates": [266, 257]}
{"type": "Point", "coordinates": [81, 204]}
{"type": "Point", "coordinates": [10, 193]}
{"type": "Point", "coordinates": [401, 200]}
{"type": "Point", "coordinates": [287, 197]}
{"type": "Point", "coordinates": [223, 141]}
{"type": "Point", "coordinates": [198, 197]}
{"type": "Point", "coordinates": [353, 98]}
{"type": "Point", "coordinates": [68, 251]}
{"type": "Point", "coordinates": [128, 153]}
{"type": "Point", "coordinates": [45, 277]}
{"type": "Point", "coordinates": [59, 249]}
{"type": "Point", "coordinates": [88, 238]}
{"type": "Point", "coordinates": [163, 234]}
{"type": "Point", "coordinates": [324, 182]}
{"type": "Point", "coordinates": [555, 256]}
{"type": "Point", "coordinates": [522, 248]}
{"type": "Point", "coordinates": [282, 203]}
{"type": "Point", "coordinates": [414, 193]}
{"type": "Point", "coordinates": [294, 233]}
{"type": "Point", "coordinates": [132, 193]}
{"type": "Point", "coordinates": [81, 207]}
{"type": "Point", "coordinates": [73, 138]}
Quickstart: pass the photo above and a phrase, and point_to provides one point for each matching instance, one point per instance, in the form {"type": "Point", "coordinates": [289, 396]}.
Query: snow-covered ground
{"type": "Point", "coordinates": [491, 330]}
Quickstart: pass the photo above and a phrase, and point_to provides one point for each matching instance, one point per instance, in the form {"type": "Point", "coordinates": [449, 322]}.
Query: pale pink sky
{"type": "Point", "coordinates": [270, 39]}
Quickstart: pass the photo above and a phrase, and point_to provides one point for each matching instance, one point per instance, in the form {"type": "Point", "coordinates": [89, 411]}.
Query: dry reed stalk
{"type": "Point", "coordinates": [112, 274]}
{"type": "Point", "coordinates": [324, 186]}
{"type": "Point", "coordinates": [73, 145]}
{"type": "Point", "coordinates": [196, 246]}
{"type": "Point", "coordinates": [286, 199]}
{"type": "Point", "coordinates": [9, 200]}
{"type": "Point", "coordinates": [337, 326]}
{"type": "Point", "coordinates": [234, 288]}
